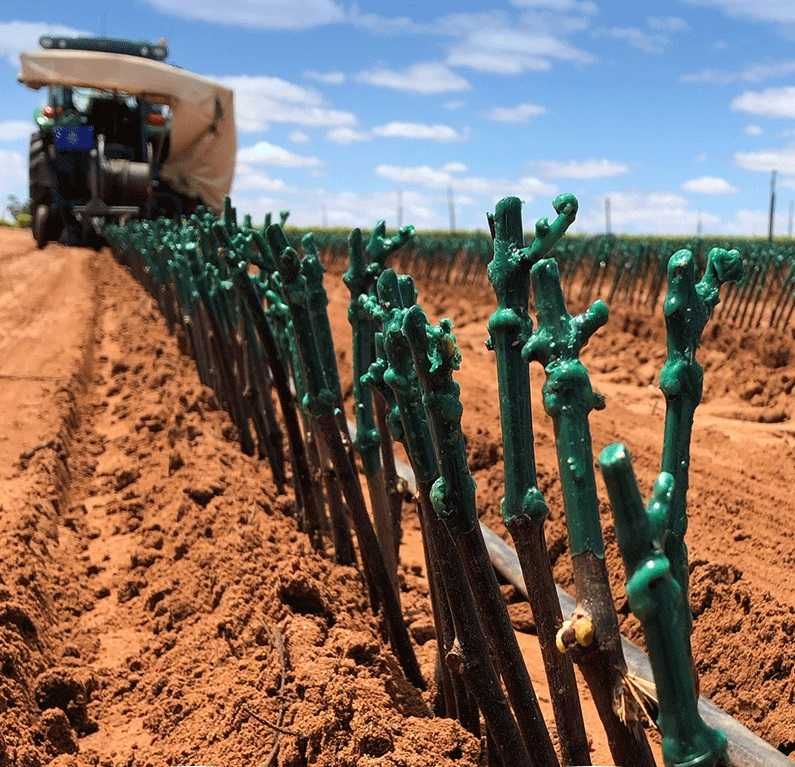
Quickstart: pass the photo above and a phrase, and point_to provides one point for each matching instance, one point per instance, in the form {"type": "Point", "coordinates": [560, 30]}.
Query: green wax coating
{"type": "Point", "coordinates": [687, 309]}
{"type": "Point", "coordinates": [659, 602]}
{"type": "Point", "coordinates": [509, 328]}
{"type": "Point", "coordinates": [319, 399]}
{"type": "Point", "coordinates": [364, 267]}
{"type": "Point", "coordinates": [396, 295]}
{"type": "Point", "coordinates": [380, 247]}
{"type": "Point", "coordinates": [356, 278]}
{"type": "Point", "coordinates": [374, 377]}
{"type": "Point", "coordinates": [317, 305]}
{"type": "Point", "coordinates": [262, 255]}
{"type": "Point", "coordinates": [568, 399]}
{"type": "Point", "coordinates": [436, 356]}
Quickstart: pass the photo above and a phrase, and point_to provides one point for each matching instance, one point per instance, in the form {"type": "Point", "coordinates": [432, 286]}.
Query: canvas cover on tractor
{"type": "Point", "coordinates": [201, 161]}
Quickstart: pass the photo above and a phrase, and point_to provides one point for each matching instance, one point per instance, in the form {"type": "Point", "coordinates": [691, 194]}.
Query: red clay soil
{"type": "Point", "coordinates": [158, 607]}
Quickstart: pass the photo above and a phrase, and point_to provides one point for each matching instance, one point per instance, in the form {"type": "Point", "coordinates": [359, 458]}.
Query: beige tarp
{"type": "Point", "coordinates": [201, 160]}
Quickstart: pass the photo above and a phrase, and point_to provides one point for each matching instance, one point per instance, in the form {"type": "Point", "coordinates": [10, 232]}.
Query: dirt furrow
{"type": "Point", "coordinates": [183, 614]}
{"type": "Point", "coordinates": [41, 416]}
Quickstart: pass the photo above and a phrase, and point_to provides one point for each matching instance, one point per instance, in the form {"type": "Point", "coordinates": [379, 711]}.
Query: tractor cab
{"type": "Point", "coordinates": [122, 134]}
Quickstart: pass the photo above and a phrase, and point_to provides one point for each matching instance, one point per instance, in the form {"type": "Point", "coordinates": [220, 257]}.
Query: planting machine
{"type": "Point", "coordinates": [121, 135]}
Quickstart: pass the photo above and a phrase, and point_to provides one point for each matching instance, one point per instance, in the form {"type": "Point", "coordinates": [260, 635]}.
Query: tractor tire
{"type": "Point", "coordinates": [47, 223]}
{"type": "Point", "coordinates": [41, 178]}
{"type": "Point", "coordinates": [41, 225]}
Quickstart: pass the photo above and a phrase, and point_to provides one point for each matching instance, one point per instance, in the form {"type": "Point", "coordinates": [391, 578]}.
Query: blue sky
{"type": "Point", "coordinates": [675, 110]}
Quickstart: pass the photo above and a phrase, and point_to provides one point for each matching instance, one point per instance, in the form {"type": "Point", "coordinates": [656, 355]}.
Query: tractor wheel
{"type": "Point", "coordinates": [41, 178]}
{"type": "Point", "coordinates": [41, 225]}
{"type": "Point", "coordinates": [46, 222]}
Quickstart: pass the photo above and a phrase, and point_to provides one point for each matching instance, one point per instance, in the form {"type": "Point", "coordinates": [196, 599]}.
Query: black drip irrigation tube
{"type": "Point", "coordinates": [745, 748]}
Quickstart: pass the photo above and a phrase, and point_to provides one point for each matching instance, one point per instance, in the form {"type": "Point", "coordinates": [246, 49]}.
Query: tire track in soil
{"type": "Point", "coordinates": [46, 315]}
{"type": "Point", "coordinates": [91, 537]}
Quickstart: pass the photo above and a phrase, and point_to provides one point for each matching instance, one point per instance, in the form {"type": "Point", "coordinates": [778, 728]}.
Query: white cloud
{"type": "Point", "coordinates": [753, 130]}
{"type": "Point", "coordinates": [529, 187]}
{"type": "Point", "coordinates": [258, 181]}
{"type": "Point", "coordinates": [317, 205]}
{"type": "Point", "coordinates": [770, 102]}
{"type": "Point", "coordinates": [450, 175]}
{"type": "Point", "coordinates": [454, 104]}
{"type": "Point", "coordinates": [559, 6]}
{"type": "Point", "coordinates": [648, 42]}
{"type": "Point", "coordinates": [502, 44]}
{"type": "Point", "coordinates": [753, 223]}
{"type": "Point", "coordinates": [260, 100]}
{"type": "Point", "coordinates": [353, 208]}
{"type": "Point", "coordinates": [248, 178]}
{"type": "Point", "coordinates": [412, 130]}
{"type": "Point", "coordinates": [655, 38]}
{"type": "Point", "coordinates": [14, 130]}
{"type": "Point", "coordinates": [516, 114]}
{"type": "Point", "coordinates": [298, 137]}
{"type": "Point", "coordinates": [493, 41]}
{"type": "Point", "coordinates": [782, 160]}
{"type": "Point", "coordinates": [751, 74]}
{"type": "Point", "coordinates": [259, 14]}
{"type": "Point", "coordinates": [647, 213]}
{"type": "Point", "coordinates": [405, 130]}
{"type": "Point", "coordinates": [348, 135]}
{"type": "Point", "coordinates": [424, 77]}
{"type": "Point", "coordinates": [420, 175]}
{"type": "Point", "coordinates": [18, 36]}
{"type": "Point", "coordinates": [709, 185]}
{"type": "Point", "coordinates": [265, 153]}
{"type": "Point", "coordinates": [327, 78]}
{"type": "Point", "coordinates": [378, 24]}
{"type": "Point", "coordinates": [667, 23]}
{"type": "Point", "coordinates": [583, 169]}
{"type": "Point", "coordinates": [779, 11]}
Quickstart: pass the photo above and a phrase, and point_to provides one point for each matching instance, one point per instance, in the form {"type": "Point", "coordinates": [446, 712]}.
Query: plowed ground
{"type": "Point", "coordinates": [157, 606]}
